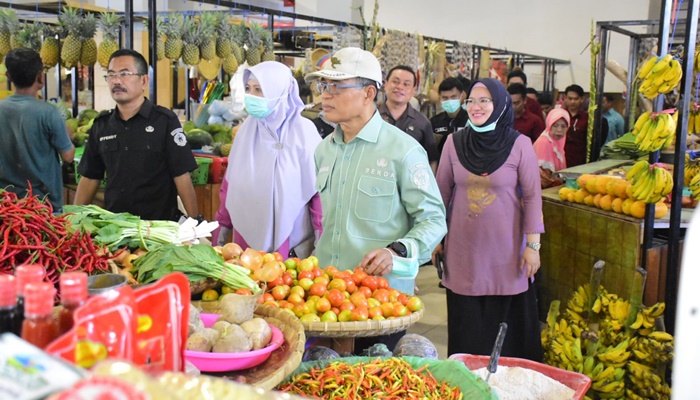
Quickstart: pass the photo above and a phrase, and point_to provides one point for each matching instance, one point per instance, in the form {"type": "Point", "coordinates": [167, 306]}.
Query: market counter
{"type": "Point", "coordinates": [578, 235]}
{"type": "Point", "coordinates": [207, 198]}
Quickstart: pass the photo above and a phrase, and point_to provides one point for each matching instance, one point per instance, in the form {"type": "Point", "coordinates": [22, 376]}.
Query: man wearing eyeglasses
{"type": "Point", "coordinates": [140, 146]}
{"type": "Point", "coordinates": [401, 84]}
{"type": "Point", "coordinates": [382, 209]}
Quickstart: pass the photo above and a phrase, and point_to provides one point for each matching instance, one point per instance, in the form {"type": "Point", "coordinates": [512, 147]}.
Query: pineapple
{"type": "Point", "coordinates": [173, 28]}
{"type": "Point", "coordinates": [239, 35]}
{"type": "Point", "coordinates": [29, 36]}
{"type": "Point", "coordinates": [230, 64]}
{"type": "Point", "coordinates": [192, 39]}
{"type": "Point", "coordinates": [255, 44]}
{"type": "Point", "coordinates": [208, 23]}
{"type": "Point", "coordinates": [8, 24]}
{"type": "Point", "coordinates": [71, 22]}
{"type": "Point", "coordinates": [109, 24]}
{"type": "Point", "coordinates": [160, 42]}
{"type": "Point", "coordinates": [224, 35]}
{"type": "Point", "coordinates": [88, 49]}
{"type": "Point", "coordinates": [50, 49]}
{"type": "Point", "coordinates": [269, 44]}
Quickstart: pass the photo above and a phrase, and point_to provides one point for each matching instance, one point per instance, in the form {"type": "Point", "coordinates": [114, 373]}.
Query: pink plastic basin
{"type": "Point", "coordinates": [578, 382]}
{"type": "Point", "coordinates": [221, 362]}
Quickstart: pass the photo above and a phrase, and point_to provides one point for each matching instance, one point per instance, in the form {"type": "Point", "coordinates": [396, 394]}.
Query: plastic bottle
{"type": "Point", "coordinates": [8, 305]}
{"type": "Point", "coordinates": [39, 326]}
{"type": "Point", "coordinates": [24, 275]}
{"type": "Point", "coordinates": [73, 295]}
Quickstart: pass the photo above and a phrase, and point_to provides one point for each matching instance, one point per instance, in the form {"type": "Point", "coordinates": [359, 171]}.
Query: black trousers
{"type": "Point", "coordinates": [472, 324]}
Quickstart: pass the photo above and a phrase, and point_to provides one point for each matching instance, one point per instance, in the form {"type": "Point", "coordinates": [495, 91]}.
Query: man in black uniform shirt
{"type": "Point", "coordinates": [141, 147]}
{"type": "Point", "coordinates": [400, 86]}
{"type": "Point", "coordinates": [454, 117]}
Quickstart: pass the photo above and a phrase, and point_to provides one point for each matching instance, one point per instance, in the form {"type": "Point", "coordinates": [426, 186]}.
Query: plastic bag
{"type": "Point", "coordinates": [415, 345]}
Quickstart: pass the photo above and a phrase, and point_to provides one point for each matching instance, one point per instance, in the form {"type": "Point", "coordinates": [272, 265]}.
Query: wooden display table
{"type": "Point", "coordinates": [578, 235]}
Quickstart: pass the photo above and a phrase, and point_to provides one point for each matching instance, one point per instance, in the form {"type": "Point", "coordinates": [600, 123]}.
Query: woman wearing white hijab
{"type": "Point", "coordinates": [268, 196]}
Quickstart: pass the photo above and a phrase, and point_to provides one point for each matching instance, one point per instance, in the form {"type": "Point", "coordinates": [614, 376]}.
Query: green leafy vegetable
{"type": "Point", "coordinates": [197, 262]}
{"type": "Point", "coordinates": [117, 230]}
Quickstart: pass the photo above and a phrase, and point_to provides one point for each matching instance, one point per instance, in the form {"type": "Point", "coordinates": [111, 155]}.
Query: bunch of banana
{"type": "Point", "coordinates": [654, 131]}
{"type": "Point", "coordinates": [645, 383]}
{"type": "Point", "coordinates": [696, 62]}
{"type": "Point", "coordinates": [659, 76]}
{"type": "Point", "coordinates": [646, 318]}
{"type": "Point", "coordinates": [694, 186]}
{"type": "Point", "coordinates": [691, 169]}
{"type": "Point", "coordinates": [649, 183]}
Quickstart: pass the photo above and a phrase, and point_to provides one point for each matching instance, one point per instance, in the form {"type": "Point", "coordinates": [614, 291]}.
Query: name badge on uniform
{"type": "Point", "coordinates": [150, 129]}
{"type": "Point", "coordinates": [441, 129]}
{"type": "Point", "coordinates": [410, 127]}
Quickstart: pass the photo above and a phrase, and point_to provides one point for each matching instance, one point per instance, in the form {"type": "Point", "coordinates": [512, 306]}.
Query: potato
{"type": "Point", "coordinates": [198, 342]}
{"type": "Point", "coordinates": [211, 334]}
{"type": "Point", "coordinates": [194, 323]}
{"type": "Point", "coordinates": [259, 332]}
{"type": "Point", "coordinates": [220, 326]}
{"type": "Point", "coordinates": [235, 340]}
{"type": "Point", "coordinates": [236, 308]}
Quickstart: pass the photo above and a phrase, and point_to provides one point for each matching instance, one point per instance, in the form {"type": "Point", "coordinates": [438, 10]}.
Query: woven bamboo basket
{"type": "Point", "coordinates": [361, 328]}
{"type": "Point", "coordinates": [283, 361]}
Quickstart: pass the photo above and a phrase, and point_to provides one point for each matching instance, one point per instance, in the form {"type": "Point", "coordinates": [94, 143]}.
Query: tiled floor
{"type": "Point", "coordinates": [433, 325]}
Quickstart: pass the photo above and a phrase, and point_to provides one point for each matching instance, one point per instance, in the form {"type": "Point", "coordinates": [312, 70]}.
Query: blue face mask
{"type": "Point", "coordinates": [451, 106]}
{"type": "Point", "coordinates": [256, 106]}
{"type": "Point", "coordinates": [485, 128]}
{"type": "Point", "coordinates": [464, 106]}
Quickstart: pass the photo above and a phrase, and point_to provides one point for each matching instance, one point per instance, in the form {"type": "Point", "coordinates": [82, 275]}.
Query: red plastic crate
{"type": "Point", "coordinates": [578, 382]}
{"type": "Point", "coordinates": [217, 169]}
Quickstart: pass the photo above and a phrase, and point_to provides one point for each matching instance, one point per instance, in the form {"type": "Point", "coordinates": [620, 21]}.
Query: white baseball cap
{"type": "Point", "coordinates": [347, 63]}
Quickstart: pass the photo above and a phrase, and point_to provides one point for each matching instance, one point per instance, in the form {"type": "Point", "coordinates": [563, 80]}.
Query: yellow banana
{"type": "Point", "coordinates": [636, 168]}
{"type": "Point", "coordinates": [656, 310]}
{"type": "Point", "coordinates": [638, 322]}
{"type": "Point", "coordinates": [647, 66]}
{"type": "Point", "coordinates": [641, 121]}
{"type": "Point", "coordinates": [691, 124]}
{"type": "Point", "coordinates": [661, 336]}
{"type": "Point", "coordinates": [607, 373]}
{"type": "Point", "coordinates": [666, 87]}
{"type": "Point", "coordinates": [609, 388]}
{"type": "Point", "coordinates": [697, 125]}
{"type": "Point", "coordinates": [662, 64]}
{"type": "Point", "coordinates": [672, 72]}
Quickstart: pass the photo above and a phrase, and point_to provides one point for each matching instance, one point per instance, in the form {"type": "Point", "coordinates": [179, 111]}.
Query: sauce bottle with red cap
{"type": "Point", "coordinates": [24, 275]}
{"type": "Point", "coordinates": [73, 295]}
{"type": "Point", "coordinates": [39, 326]}
{"type": "Point", "coordinates": [8, 304]}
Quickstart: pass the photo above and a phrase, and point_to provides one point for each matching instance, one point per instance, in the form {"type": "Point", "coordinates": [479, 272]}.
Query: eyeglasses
{"type": "Point", "coordinates": [334, 88]}
{"type": "Point", "coordinates": [121, 75]}
{"type": "Point", "coordinates": [483, 102]}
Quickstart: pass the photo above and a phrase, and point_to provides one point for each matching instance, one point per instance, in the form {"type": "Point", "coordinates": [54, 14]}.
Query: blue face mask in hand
{"type": "Point", "coordinates": [450, 106]}
{"type": "Point", "coordinates": [256, 106]}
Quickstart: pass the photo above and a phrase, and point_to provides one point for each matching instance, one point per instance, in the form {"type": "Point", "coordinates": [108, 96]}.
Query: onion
{"type": "Point", "coordinates": [269, 272]}
{"type": "Point", "coordinates": [231, 250]}
{"type": "Point", "coordinates": [251, 259]}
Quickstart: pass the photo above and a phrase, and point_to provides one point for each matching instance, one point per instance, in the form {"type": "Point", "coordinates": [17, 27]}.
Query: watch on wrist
{"type": "Point", "coordinates": [399, 249]}
{"type": "Point", "coordinates": [534, 245]}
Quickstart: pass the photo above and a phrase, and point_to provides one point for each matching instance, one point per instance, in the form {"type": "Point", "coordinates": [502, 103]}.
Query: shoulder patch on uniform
{"type": "Point", "coordinates": [420, 175]}
{"type": "Point", "coordinates": [179, 136]}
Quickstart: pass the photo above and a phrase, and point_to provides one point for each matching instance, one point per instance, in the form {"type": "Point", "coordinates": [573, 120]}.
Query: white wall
{"type": "Point", "coordinates": [552, 28]}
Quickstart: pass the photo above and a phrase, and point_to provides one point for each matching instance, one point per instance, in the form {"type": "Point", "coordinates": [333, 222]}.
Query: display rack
{"type": "Point", "coordinates": [520, 59]}
{"type": "Point", "coordinates": [668, 35]}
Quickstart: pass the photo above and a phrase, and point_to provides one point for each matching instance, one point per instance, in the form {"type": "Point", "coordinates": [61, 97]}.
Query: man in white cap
{"type": "Point", "coordinates": [382, 209]}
